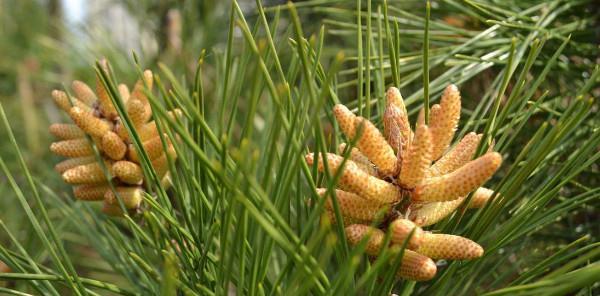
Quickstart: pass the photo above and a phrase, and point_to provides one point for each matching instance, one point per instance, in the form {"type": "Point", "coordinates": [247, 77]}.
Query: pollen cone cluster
{"type": "Point", "coordinates": [119, 171]}
{"type": "Point", "coordinates": [403, 179]}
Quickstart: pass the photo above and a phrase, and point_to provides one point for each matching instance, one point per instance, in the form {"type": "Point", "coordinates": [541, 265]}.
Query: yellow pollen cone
{"type": "Point", "coordinates": [425, 214]}
{"type": "Point", "coordinates": [416, 162]}
{"type": "Point", "coordinates": [161, 165]}
{"type": "Point", "coordinates": [446, 246]}
{"type": "Point", "coordinates": [138, 89]}
{"type": "Point", "coordinates": [153, 147]}
{"type": "Point", "coordinates": [84, 92]}
{"type": "Point", "coordinates": [92, 125]}
{"type": "Point", "coordinates": [131, 197]}
{"type": "Point", "coordinates": [395, 121]}
{"type": "Point", "coordinates": [113, 146]}
{"type": "Point", "coordinates": [354, 206]}
{"type": "Point", "coordinates": [62, 101]}
{"type": "Point", "coordinates": [480, 197]}
{"type": "Point", "coordinates": [345, 119]}
{"type": "Point", "coordinates": [137, 111]}
{"type": "Point", "coordinates": [72, 148]}
{"type": "Point", "coordinates": [401, 229]}
{"type": "Point", "coordinates": [375, 147]}
{"type": "Point", "coordinates": [360, 159]}
{"type": "Point", "coordinates": [444, 119]}
{"type": "Point", "coordinates": [458, 156]}
{"type": "Point", "coordinates": [128, 172]}
{"type": "Point", "coordinates": [460, 182]}
{"type": "Point", "coordinates": [90, 192]}
{"type": "Point", "coordinates": [104, 103]}
{"type": "Point", "coordinates": [355, 233]}
{"type": "Point", "coordinates": [70, 163]}
{"type": "Point", "coordinates": [416, 267]}
{"type": "Point", "coordinates": [66, 131]}
{"type": "Point", "coordinates": [124, 92]}
{"type": "Point", "coordinates": [329, 216]}
{"type": "Point", "coordinates": [358, 181]}
{"type": "Point", "coordinates": [85, 174]}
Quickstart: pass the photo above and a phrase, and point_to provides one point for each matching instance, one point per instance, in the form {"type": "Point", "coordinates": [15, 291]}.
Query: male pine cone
{"type": "Point", "coordinates": [119, 170]}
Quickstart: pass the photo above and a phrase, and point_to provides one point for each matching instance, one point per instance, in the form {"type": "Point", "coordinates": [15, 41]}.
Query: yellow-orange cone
{"type": "Point", "coordinates": [395, 121]}
{"type": "Point", "coordinates": [66, 131]}
{"type": "Point", "coordinates": [70, 163]}
{"type": "Point", "coordinates": [416, 162]}
{"type": "Point", "coordinates": [113, 146]}
{"type": "Point", "coordinates": [480, 197]}
{"type": "Point", "coordinates": [153, 147]}
{"type": "Point", "coordinates": [128, 172]}
{"type": "Point", "coordinates": [131, 196]}
{"type": "Point", "coordinates": [416, 267]}
{"type": "Point", "coordinates": [90, 192]}
{"type": "Point", "coordinates": [104, 102]}
{"type": "Point", "coordinates": [72, 148]}
{"type": "Point", "coordinates": [425, 214]}
{"type": "Point", "coordinates": [446, 246]}
{"type": "Point", "coordinates": [460, 182]}
{"type": "Point", "coordinates": [444, 119]}
{"type": "Point", "coordinates": [85, 174]}
{"type": "Point", "coordinates": [458, 156]}
{"type": "Point", "coordinates": [358, 181]}
{"type": "Point", "coordinates": [62, 101]}
{"type": "Point", "coordinates": [401, 229]}
{"type": "Point", "coordinates": [376, 148]}
{"type": "Point", "coordinates": [360, 159]}
{"type": "Point", "coordinates": [355, 233]}
{"type": "Point", "coordinates": [137, 111]}
{"type": "Point", "coordinates": [92, 125]}
{"type": "Point", "coordinates": [345, 119]}
{"type": "Point", "coordinates": [124, 92]}
{"type": "Point", "coordinates": [84, 92]}
{"type": "Point", "coordinates": [354, 206]}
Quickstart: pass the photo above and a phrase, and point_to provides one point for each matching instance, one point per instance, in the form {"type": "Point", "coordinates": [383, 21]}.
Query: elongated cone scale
{"type": "Point", "coordinates": [395, 121]}
{"type": "Point", "coordinates": [72, 148]}
{"type": "Point", "coordinates": [137, 111]}
{"type": "Point", "coordinates": [360, 159]}
{"type": "Point", "coordinates": [356, 232]}
{"type": "Point", "coordinates": [124, 92]}
{"type": "Point", "coordinates": [131, 196]}
{"type": "Point", "coordinates": [480, 197]}
{"type": "Point", "coordinates": [70, 163]}
{"type": "Point", "coordinates": [418, 159]}
{"type": "Point", "coordinates": [401, 229]}
{"type": "Point", "coordinates": [84, 92]}
{"type": "Point", "coordinates": [345, 119]}
{"type": "Point", "coordinates": [66, 131]}
{"type": "Point", "coordinates": [85, 174]}
{"type": "Point", "coordinates": [444, 119]}
{"type": "Point", "coordinates": [113, 146]}
{"type": "Point", "coordinates": [460, 182]}
{"type": "Point", "coordinates": [375, 147]}
{"type": "Point", "coordinates": [354, 206]}
{"type": "Point", "coordinates": [357, 181]}
{"type": "Point", "coordinates": [416, 267]}
{"type": "Point", "coordinates": [128, 172]}
{"type": "Point", "coordinates": [446, 246]}
{"type": "Point", "coordinates": [92, 125]}
{"type": "Point", "coordinates": [90, 192]}
{"type": "Point", "coordinates": [458, 156]}
{"type": "Point", "coordinates": [104, 103]}
{"type": "Point", "coordinates": [62, 101]}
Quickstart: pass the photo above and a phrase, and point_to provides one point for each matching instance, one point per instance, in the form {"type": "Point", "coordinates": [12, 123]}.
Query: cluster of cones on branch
{"type": "Point", "coordinates": [402, 180]}
{"type": "Point", "coordinates": [94, 115]}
